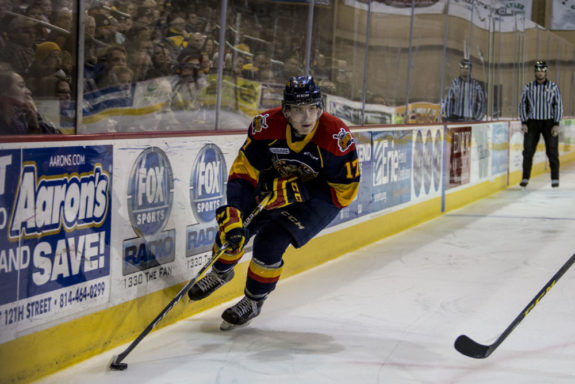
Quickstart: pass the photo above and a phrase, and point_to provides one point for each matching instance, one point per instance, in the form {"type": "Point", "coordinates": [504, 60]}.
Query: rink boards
{"type": "Point", "coordinates": [99, 235]}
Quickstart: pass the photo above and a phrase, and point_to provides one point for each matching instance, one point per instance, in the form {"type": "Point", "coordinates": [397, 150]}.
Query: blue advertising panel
{"type": "Point", "coordinates": [55, 215]}
{"type": "Point", "coordinates": [499, 153]}
{"type": "Point", "coordinates": [392, 160]}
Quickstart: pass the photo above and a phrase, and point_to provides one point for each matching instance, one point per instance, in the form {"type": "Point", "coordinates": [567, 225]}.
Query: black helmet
{"type": "Point", "coordinates": [541, 65]}
{"type": "Point", "coordinates": [301, 90]}
{"type": "Point", "coordinates": [465, 63]}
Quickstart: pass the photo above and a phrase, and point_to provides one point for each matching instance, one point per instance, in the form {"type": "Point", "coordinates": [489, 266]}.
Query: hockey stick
{"type": "Point", "coordinates": [116, 363]}
{"type": "Point", "coordinates": [473, 349]}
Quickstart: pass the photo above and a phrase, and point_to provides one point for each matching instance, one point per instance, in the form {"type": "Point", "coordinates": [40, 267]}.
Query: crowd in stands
{"type": "Point", "coordinates": [130, 41]}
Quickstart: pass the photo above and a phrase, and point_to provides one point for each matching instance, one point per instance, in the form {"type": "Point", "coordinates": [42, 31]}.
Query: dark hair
{"type": "Point", "coordinates": [6, 82]}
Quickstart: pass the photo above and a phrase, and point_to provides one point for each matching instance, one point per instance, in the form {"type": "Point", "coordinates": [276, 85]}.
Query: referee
{"type": "Point", "coordinates": [541, 110]}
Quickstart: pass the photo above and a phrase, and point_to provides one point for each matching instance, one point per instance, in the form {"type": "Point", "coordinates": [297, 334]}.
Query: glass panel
{"type": "Point", "coordinates": [265, 45]}
{"type": "Point", "coordinates": [37, 67]}
{"type": "Point", "coordinates": [339, 57]}
{"type": "Point", "coordinates": [426, 63]}
{"type": "Point", "coordinates": [149, 65]}
{"type": "Point", "coordinates": [465, 92]}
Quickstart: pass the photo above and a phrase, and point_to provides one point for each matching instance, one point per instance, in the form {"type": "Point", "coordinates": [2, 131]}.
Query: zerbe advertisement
{"type": "Point", "coordinates": [55, 215]}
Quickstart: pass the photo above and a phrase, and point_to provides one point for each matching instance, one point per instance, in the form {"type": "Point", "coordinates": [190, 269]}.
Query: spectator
{"type": "Point", "coordinates": [47, 8]}
{"type": "Point", "coordinates": [138, 33]}
{"type": "Point", "coordinates": [176, 36]}
{"type": "Point", "coordinates": [35, 11]}
{"type": "Point", "coordinates": [125, 24]}
{"type": "Point", "coordinates": [129, 8]}
{"type": "Point", "coordinates": [145, 16]}
{"type": "Point", "coordinates": [161, 63]}
{"type": "Point", "coordinates": [140, 63]}
{"type": "Point", "coordinates": [115, 56]}
{"type": "Point", "coordinates": [18, 113]}
{"type": "Point", "coordinates": [118, 75]}
{"type": "Point", "coordinates": [196, 40]}
{"type": "Point", "coordinates": [90, 27]}
{"type": "Point", "coordinates": [19, 51]}
{"type": "Point", "coordinates": [63, 90]}
{"type": "Point", "coordinates": [291, 67]}
{"type": "Point", "coordinates": [4, 6]}
{"type": "Point", "coordinates": [238, 65]}
{"type": "Point", "coordinates": [190, 82]}
{"type": "Point", "coordinates": [47, 62]}
{"type": "Point", "coordinates": [104, 29]}
{"type": "Point", "coordinates": [321, 68]}
{"type": "Point", "coordinates": [63, 19]}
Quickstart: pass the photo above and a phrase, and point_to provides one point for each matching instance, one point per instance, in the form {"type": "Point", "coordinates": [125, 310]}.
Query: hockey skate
{"type": "Point", "coordinates": [555, 183]}
{"type": "Point", "coordinates": [241, 313]}
{"type": "Point", "coordinates": [524, 183]}
{"type": "Point", "coordinates": [211, 282]}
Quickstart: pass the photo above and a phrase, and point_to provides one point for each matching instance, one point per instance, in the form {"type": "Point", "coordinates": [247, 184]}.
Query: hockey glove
{"type": "Point", "coordinates": [284, 191]}
{"type": "Point", "coordinates": [231, 228]}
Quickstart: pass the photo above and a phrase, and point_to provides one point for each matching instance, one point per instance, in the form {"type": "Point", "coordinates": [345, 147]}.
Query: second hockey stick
{"type": "Point", "coordinates": [471, 348]}
{"type": "Point", "coordinates": [117, 363]}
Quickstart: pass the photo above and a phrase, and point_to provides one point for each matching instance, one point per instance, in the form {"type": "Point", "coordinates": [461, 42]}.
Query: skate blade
{"type": "Point", "coordinates": [225, 326]}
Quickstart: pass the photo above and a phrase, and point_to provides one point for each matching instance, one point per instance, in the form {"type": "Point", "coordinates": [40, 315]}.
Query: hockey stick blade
{"type": "Point", "coordinates": [116, 363]}
{"type": "Point", "coordinates": [470, 348]}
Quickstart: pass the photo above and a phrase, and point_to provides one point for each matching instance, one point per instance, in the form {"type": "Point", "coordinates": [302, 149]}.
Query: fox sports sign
{"type": "Point", "coordinates": [207, 183]}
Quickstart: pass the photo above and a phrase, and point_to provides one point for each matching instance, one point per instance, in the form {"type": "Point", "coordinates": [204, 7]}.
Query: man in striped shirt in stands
{"type": "Point", "coordinates": [540, 111]}
{"type": "Point", "coordinates": [465, 99]}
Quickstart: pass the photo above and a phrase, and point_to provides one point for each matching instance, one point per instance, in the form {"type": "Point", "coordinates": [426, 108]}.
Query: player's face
{"type": "Point", "coordinates": [303, 117]}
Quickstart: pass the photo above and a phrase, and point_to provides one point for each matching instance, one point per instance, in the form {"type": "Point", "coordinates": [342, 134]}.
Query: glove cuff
{"type": "Point", "coordinates": [229, 216]}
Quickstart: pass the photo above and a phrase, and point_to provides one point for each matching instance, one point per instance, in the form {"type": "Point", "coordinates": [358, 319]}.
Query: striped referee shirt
{"type": "Point", "coordinates": [465, 100]}
{"type": "Point", "coordinates": [541, 102]}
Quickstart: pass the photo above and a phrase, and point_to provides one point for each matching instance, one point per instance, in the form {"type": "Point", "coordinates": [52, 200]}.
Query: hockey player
{"type": "Point", "coordinates": [465, 99]}
{"type": "Point", "coordinates": [541, 110]}
{"type": "Point", "coordinates": [307, 160]}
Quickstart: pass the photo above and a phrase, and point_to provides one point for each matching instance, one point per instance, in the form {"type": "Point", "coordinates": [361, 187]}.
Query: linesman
{"type": "Point", "coordinates": [465, 99]}
{"type": "Point", "coordinates": [540, 111]}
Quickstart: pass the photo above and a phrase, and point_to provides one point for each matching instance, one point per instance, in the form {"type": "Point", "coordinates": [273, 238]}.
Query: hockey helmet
{"type": "Point", "coordinates": [465, 63]}
{"type": "Point", "coordinates": [301, 90]}
{"type": "Point", "coordinates": [541, 65]}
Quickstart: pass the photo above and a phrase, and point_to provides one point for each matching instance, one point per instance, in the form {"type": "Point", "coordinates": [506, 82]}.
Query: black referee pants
{"type": "Point", "coordinates": [536, 128]}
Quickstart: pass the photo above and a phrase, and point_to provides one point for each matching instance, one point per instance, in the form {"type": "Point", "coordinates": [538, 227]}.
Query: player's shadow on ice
{"type": "Point", "coordinates": [268, 344]}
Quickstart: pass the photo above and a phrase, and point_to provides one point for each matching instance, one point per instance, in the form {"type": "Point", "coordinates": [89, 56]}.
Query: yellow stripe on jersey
{"type": "Point", "coordinates": [242, 168]}
{"type": "Point", "coordinates": [320, 156]}
{"type": "Point", "coordinates": [344, 193]}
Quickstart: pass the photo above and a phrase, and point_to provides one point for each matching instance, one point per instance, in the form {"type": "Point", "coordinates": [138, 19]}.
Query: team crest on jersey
{"type": "Point", "coordinates": [259, 123]}
{"type": "Point", "coordinates": [293, 167]}
{"type": "Point", "coordinates": [344, 139]}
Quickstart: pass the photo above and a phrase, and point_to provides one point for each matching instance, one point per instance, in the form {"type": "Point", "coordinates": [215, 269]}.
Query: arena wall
{"type": "Point", "coordinates": [99, 234]}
